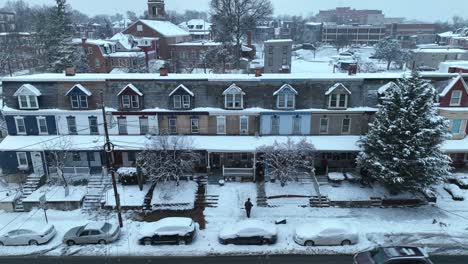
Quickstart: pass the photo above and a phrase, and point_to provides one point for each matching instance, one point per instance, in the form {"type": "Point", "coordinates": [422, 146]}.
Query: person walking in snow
{"type": "Point", "coordinates": [248, 207]}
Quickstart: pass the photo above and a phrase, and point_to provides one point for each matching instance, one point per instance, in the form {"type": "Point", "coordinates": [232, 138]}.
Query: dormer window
{"type": "Point", "coordinates": [338, 96]}
{"type": "Point", "coordinates": [181, 97]}
{"type": "Point", "coordinates": [286, 97]}
{"type": "Point", "coordinates": [130, 97]}
{"type": "Point", "coordinates": [455, 100]}
{"type": "Point", "coordinates": [79, 97]}
{"type": "Point", "coordinates": [233, 97]}
{"type": "Point", "coordinates": [27, 97]}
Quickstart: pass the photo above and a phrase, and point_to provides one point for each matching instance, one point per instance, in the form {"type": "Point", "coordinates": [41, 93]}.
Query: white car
{"type": "Point", "coordinates": [170, 230]}
{"type": "Point", "coordinates": [249, 232]}
{"type": "Point", "coordinates": [28, 235]}
{"type": "Point", "coordinates": [326, 234]}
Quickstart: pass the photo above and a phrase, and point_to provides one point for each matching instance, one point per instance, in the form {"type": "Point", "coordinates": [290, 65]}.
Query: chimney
{"type": "Point", "coordinates": [258, 72]}
{"type": "Point", "coordinates": [163, 71]}
{"type": "Point", "coordinates": [70, 71]}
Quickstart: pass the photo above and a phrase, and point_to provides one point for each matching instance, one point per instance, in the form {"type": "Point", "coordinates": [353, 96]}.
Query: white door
{"type": "Point", "coordinates": [38, 166]}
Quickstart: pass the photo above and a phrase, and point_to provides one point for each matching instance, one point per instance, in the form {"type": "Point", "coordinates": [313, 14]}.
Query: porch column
{"type": "Point", "coordinates": [208, 163]}
{"type": "Point", "coordinates": [254, 166]}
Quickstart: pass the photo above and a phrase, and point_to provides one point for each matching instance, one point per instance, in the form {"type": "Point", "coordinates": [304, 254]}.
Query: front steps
{"type": "Point", "coordinates": [97, 186]}
{"type": "Point", "coordinates": [31, 184]}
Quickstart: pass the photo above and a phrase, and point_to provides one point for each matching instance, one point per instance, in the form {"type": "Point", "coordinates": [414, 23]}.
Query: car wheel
{"type": "Point", "coordinates": [182, 242]}
{"type": "Point", "coordinates": [147, 241]}
{"type": "Point", "coordinates": [309, 243]}
{"type": "Point", "coordinates": [265, 241]}
{"type": "Point", "coordinates": [33, 243]}
{"type": "Point", "coordinates": [70, 243]}
{"type": "Point", "coordinates": [102, 242]}
{"type": "Point", "coordinates": [346, 242]}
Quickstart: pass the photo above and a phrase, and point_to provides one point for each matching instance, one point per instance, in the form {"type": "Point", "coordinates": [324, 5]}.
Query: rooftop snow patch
{"type": "Point", "coordinates": [439, 51]}
{"type": "Point", "coordinates": [27, 89]}
{"type": "Point", "coordinates": [452, 83]}
{"type": "Point", "coordinates": [286, 86]}
{"type": "Point", "coordinates": [131, 87]}
{"type": "Point", "coordinates": [279, 41]}
{"type": "Point", "coordinates": [81, 88]}
{"type": "Point", "coordinates": [387, 86]}
{"type": "Point", "coordinates": [165, 28]}
{"type": "Point", "coordinates": [336, 86]}
{"type": "Point", "coordinates": [126, 55]}
{"type": "Point", "coordinates": [182, 87]}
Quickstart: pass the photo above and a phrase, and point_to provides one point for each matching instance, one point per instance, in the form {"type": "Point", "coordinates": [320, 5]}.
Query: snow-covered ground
{"type": "Point", "coordinates": [440, 227]}
{"type": "Point", "coordinates": [170, 196]}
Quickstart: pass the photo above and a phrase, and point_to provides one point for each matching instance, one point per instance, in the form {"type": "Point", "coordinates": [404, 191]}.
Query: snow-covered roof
{"type": "Point", "coordinates": [233, 89]}
{"type": "Point", "coordinates": [198, 43]}
{"type": "Point", "coordinates": [126, 55]}
{"type": "Point", "coordinates": [279, 41]}
{"type": "Point", "coordinates": [125, 40]}
{"type": "Point", "coordinates": [385, 87]}
{"type": "Point", "coordinates": [452, 83]}
{"type": "Point", "coordinates": [181, 86]}
{"type": "Point", "coordinates": [81, 88]}
{"type": "Point", "coordinates": [246, 49]}
{"type": "Point", "coordinates": [165, 28]}
{"type": "Point", "coordinates": [98, 42]}
{"type": "Point", "coordinates": [448, 34]}
{"type": "Point", "coordinates": [285, 86]}
{"type": "Point", "coordinates": [132, 87]}
{"type": "Point", "coordinates": [442, 50]}
{"type": "Point", "coordinates": [27, 89]}
{"type": "Point", "coordinates": [336, 86]}
{"type": "Point", "coordinates": [205, 26]}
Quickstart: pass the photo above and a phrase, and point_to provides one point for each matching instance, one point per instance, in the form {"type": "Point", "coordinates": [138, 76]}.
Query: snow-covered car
{"type": "Point", "coordinates": [455, 191]}
{"type": "Point", "coordinates": [459, 179]}
{"type": "Point", "coordinates": [171, 230]}
{"type": "Point", "coordinates": [249, 232]}
{"type": "Point", "coordinates": [326, 234]}
{"type": "Point", "coordinates": [28, 235]}
{"type": "Point", "coordinates": [393, 255]}
{"type": "Point", "coordinates": [92, 233]}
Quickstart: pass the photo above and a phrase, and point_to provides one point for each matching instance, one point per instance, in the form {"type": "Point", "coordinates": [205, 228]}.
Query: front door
{"type": "Point", "coordinates": [37, 163]}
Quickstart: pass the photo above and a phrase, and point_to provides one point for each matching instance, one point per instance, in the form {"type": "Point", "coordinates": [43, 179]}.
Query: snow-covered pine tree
{"type": "Point", "coordinates": [402, 148]}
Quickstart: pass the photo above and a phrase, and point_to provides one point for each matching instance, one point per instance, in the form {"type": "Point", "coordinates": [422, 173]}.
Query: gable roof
{"type": "Point", "coordinates": [385, 87]}
{"type": "Point", "coordinates": [81, 88]}
{"type": "Point", "coordinates": [165, 28]}
{"type": "Point", "coordinates": [233, 89]}
{"type": "Point", "coordinates": [181, 86]}
{"type": "Point", "coordinates": [27, 89]}
{"type": "Point", "coordinates": [285, 86]}
{"type": "Point", "coordinates": [132, 87]}
{"type": "Point", "coordinates": [452, 83]}
{"type": "Point", "coordinates": [336, 86]}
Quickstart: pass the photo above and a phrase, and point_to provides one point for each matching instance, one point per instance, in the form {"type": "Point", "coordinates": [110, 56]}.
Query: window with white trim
{"type": "Point", "coordinates": [181, 101]}
{"type": "Point", "coordinates": [275, 125]}
{"type": "Point", "coordinates": [140, 28]}
{"type": "Point", "coordinates": [195, 125]}
{"type": "Point", "coordinates": [285, 100]}
{"type": "Point", "coordinates": [296, 125]}
{"type": "Point", "coordinates": [28, 102]}
{"type": "Point", "coordinates": [172, 125]}
{"type": "Point", "coordinates": [456, 98]}
{"type": "Point", "coordinates": [144, 126]}
{"type": "Point", "coordinates": [234, 101]}
{"type": "Point", "coordinates": [221, 125]}
{"type": "Point", "coordinates": [456, 126]}
{"type": "Point", "coordinates": [20, 125]}
{"type": "Point", "coordinates": [244, 125]}
{"type": "Point", "coordinates": [42, 125]}
{"type": "Point", "coordinates": [323, 125]}
{"type": "Point", "coordinates": [93, 125]}
{"type": "Point", "coordinates": [346, 126]}
{"type": "Point", "coordinates": [79, 101]}
{"type": "Point", "coordinates": [122, 124]}
{"type": "Point", "coordinates": [130, 101]}
{"type": "Point", "coordinates": [338, 101]}
{"type": "Point", "coordinates": [71, 123]}
{"type": "Point", "coordinates": [22, 158]}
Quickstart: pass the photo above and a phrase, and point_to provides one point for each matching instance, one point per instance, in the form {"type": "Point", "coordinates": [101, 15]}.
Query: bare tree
{"type": "Point", "coordinates": [168, 158]}
{"type": "Point", "coordinates": [288, 159]}
{"type": "Point", "coordinates": [58, 152]}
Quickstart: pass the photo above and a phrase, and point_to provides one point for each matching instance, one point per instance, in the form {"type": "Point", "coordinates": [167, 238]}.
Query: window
{"type": "Point", "coordinates": [93, 125]}
{"type": "Point", "coordinates": [122, 124]}
{"type": "Point", "coordinates": [71, 123]}
{"type": "Point", "coordinates": [172, 125]}
{"type": "Point", "coordinates": [144, 126]}
{"type": "Point", "coordinates": [42, 125]}
{"type": "Point", "coordinates": [22, 158]}
{"type": "Point", "coordinates": [76, 156]}
{"type": "Point", "coordinates": [185, 101]}
{"type": "Point", "coordinates": [20, 125]}
{"type": "Point", "coordinates": [338, 101]}
{"type": "Point", "coordinates": [140, 28]}
{"type": "Point", "coordinates": [456, 98]}
{"type": "Point", "coordinates": [244, 125]}
{"type": "Point", "coordinates": [234, 101]}
{"type": "Point", "coordinates": [346, 126]}
{"type": "Point", "coordinates": [244, 156]}
{"type": "Point", "coordinates": [28, 102]}
{"type": "Point", "coordinates": [270, 49]}
{"type": "Point", "coordinates": [221, 125]}
{"type": "Point", "coordinates": [195, 125]}
{"type": "Point", "coordinates": [323, 125]}
{"type": "Point", "coordinates": [177, 101]}
{"type": "Point", "coordinates": [130, 101]}
{"type": "Point", "coordinates": [456, 126]}
{"type": "Point", "coordinates": [79, 101]}
{"type": "Point", "coordinates": [131, 156]}
{"type": "Point", "coordinates": [296, 126]}
{"type": "Point", "coordinates": [97, 63]}
{"type": "Point", "coordinates": [286, 100]}
{"type": "Point", "coordinates": [275, 125]}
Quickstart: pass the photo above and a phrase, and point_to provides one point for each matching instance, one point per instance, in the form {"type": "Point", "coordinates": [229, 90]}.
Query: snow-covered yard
{"type": "Point", "coordinates": [170, 196]}
{"type": "Point", "coordinates": [130, 196]}
{"type": "Point", "coordinates": [57, 194]}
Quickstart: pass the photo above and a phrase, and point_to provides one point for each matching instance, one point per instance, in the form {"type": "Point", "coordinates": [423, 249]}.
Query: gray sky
{"type": "Point", "coordinates": [426, 10]}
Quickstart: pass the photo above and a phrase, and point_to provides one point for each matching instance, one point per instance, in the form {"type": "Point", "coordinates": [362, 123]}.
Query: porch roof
{"type": "Point", "coordinates": [224, 144]}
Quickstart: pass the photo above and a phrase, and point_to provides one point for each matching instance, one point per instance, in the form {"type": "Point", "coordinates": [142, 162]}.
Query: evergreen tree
{"type": "Point", "coordinates": [402, 148]}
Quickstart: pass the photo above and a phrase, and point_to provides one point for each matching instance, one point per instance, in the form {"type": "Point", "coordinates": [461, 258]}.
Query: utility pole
{"type": "Point", "coordinates": [109, 156]}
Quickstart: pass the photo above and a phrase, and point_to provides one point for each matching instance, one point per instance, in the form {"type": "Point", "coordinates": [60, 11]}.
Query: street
{"type": "Point", "coordinates": [280, 259]}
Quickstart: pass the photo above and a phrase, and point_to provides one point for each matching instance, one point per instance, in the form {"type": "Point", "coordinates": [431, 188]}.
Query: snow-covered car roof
{"type": "Point", "coordinates": [249, 228]}
{"type": "Point", "coordinates": [312, 229]}
{"type": "Point", "coordinates": [169, 225]}
{"type": "Point", "coordinates": [94, 225]}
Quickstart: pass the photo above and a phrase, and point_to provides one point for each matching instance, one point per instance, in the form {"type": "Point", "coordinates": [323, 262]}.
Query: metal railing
{"type": "Point", "coordinates": [71, 170]}
{"type": "Point", "coordinates": [238, 172]}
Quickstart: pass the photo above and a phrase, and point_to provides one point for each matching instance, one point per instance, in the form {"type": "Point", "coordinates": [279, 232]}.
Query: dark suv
{"type": "Point", "coordinates": [393, 255]}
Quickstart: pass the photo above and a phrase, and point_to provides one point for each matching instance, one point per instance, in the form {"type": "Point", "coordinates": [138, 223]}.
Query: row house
{"type": "Point", "coordinates": [226, 117]}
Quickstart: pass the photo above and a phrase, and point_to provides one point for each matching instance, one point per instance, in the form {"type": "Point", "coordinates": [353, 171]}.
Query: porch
{"type": "Point", "coordinates": [232, 166]}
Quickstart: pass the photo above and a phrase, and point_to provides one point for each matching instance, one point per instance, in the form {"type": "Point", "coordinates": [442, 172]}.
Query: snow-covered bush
{"type": "Point", "coordinates": [455, 191]}
{"type": "Point", "coordinates": [336, 176]}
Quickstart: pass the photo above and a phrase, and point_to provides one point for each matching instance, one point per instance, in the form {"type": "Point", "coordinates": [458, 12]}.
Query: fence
{"type": "Point", "coordinates": [238, 173]}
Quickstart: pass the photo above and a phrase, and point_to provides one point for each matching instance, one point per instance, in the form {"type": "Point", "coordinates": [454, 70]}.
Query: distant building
{"type": "Point", "coordinates": [199, 29]}
{"type": "Point", "coordinates": [278, 53]}
{"type": "Point", "coordinates": [405, 32]}
{"type": "Point", "coordinates": [263, 33]}
{"type": "Point", "coordinates": [186, 56]}
{"type": "Point", "coordinates": [353, 34]}
{"type": "Point", "coordinates": [7, 22]}
{"type": "Point", "coordinates": [430, 58]}
{"type": "Point", "coordinates": [156, 10]}
{"type": "Point", "coordinates": [346, 15]}
{"type": "Point", "coordinates": [313, 32]}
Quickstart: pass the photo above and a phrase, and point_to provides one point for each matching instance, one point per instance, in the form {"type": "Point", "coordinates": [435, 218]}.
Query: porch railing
{"type": "Point", "coordinates": [71, 170]}
{"type": "Point", "coordinates": [238, 172]}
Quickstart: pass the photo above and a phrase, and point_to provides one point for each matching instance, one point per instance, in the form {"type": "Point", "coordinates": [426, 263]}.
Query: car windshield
{"type": "Point", "coordinates": [106, 228]}
{"type": "Point", "coordinates": [378, 256]}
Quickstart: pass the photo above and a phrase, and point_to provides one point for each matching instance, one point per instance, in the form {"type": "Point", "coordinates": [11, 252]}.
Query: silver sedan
{"type": "Point", "coordinates": [25, 235]}
{"type": "Point", "coordinates": [92, 233]}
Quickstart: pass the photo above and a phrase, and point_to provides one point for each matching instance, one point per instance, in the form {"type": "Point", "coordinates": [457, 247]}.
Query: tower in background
{"type": "Point", "coordinates": [156, 9]}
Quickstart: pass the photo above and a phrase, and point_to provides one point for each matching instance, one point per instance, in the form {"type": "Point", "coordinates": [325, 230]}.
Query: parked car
{"type": "Point", "coordinates": [327, 234]}
{"type": "Point", "coordinates": [171, 230]}
{"type": "Point", "coordinates": [28, 235]}
{"type": "Point", "coordinates": [92, 233]}
{"type": "Point", "coordinates": [393, 255]}
{"type": "Point", "coordinates": [454, 191]}
{"type": "Point", "coordinates": [249, 232]}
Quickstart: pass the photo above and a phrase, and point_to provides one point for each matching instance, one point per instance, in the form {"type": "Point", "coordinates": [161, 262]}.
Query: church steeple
{"type": "Point", "coordinates": [156, 9]}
